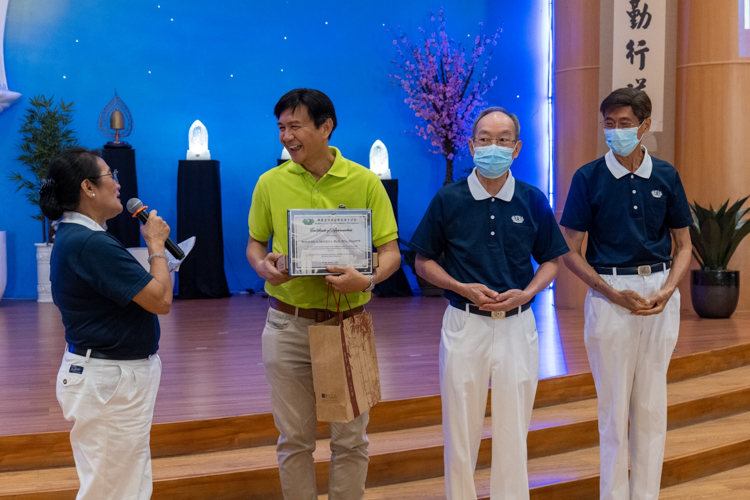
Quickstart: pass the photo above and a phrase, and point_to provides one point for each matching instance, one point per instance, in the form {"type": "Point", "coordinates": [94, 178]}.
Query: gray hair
{"type": "Point", "coordinates": [497, 109]}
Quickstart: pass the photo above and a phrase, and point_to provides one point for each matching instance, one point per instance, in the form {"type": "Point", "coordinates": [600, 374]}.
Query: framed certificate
{"type": "Point", "coordinates": [320, 238]}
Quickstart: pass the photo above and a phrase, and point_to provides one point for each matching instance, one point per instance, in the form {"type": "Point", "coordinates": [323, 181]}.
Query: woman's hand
{"type": "Point", "coordinates": [155, 231]}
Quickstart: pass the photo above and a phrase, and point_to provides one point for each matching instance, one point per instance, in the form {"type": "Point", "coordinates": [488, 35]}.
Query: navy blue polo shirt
{"type": "Point", "coordinates": [94, 279]}
{"type": "Point", "coordinates": [627, 215]}
{"type": "Point", "coordinates": [489, 239]}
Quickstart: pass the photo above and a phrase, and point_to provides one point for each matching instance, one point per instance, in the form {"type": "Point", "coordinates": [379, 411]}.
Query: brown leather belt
{"type": "Point", "coordinates": [318, 315]}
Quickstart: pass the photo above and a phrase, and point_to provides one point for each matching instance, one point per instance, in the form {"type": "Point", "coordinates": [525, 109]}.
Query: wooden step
{"type": "Point", "coordinates": [691, 452]}
{"type": "Point", "coordinates": [410, 454]}
{"type": "Point", "coordinates": [52, 449]}
{"type": "Point", "coordinates": [733, 484]}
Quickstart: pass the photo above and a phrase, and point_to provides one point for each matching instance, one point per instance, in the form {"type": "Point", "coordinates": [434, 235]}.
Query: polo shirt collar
{"type": "Point", "coordinates": [479, 193]}
{"type": "Point", "coordinates": [338, 169]}
{"type": "Point", "coordinates": [616, 168]}
{"type": "Point", "coordinates": [79, 218]}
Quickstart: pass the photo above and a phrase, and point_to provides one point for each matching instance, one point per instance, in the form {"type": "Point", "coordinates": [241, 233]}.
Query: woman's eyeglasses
{"type": "Point", "coordinates": [112, 173]}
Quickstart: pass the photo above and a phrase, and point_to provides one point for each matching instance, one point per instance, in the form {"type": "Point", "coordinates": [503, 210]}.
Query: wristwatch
{"type": "Point", "coordinates": [372, 284]}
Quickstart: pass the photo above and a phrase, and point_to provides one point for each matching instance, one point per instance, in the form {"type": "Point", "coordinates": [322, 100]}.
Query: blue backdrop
{"type": "Point", "coordinates": [227, 63]}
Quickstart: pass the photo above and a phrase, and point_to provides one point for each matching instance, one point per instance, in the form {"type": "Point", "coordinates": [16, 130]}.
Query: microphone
{"type": "Point", "coordinates": [135, 207]}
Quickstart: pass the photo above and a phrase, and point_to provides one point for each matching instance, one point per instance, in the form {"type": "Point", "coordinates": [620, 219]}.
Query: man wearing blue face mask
{"type": "Point", "coordinates": [629, 203]}
{"type": "Point", "coordinates": [488, 227]}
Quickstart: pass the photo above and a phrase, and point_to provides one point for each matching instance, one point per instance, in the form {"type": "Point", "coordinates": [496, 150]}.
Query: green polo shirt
{"type": "Point", "coordinates": [291, 186]}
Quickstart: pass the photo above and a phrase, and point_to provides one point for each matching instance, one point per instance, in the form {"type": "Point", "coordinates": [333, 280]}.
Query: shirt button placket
{"type": "Point", "coordinates": [493, 210]}
{"type": "Point", "coordinates": [634, 196]}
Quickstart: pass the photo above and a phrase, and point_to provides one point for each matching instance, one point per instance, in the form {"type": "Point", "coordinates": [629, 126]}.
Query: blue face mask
{"type": "Point", "coordinates": [493, 161]}
{"type": "Point", "coordinates": [622, 141]}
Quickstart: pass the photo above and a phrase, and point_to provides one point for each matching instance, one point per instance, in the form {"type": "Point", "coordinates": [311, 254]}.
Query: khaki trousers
{"type": "Point", "coordinates": [286, 356]}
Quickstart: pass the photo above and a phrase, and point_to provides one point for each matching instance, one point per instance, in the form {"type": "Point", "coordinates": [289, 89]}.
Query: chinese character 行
{"type": "Point", "coordinates": [640, 52]}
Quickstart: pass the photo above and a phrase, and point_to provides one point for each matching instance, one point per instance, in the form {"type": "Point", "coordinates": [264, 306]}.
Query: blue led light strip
{"type": "Point", "coordinates": [550, 110]}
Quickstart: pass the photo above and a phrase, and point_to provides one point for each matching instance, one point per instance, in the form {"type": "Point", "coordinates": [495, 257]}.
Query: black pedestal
{"type": "Point", "coordinates": [396, 285]}
{"type": "Point", "coordinates": [124, 227]}
{"type": "Point", "coordinates": [199, 214]}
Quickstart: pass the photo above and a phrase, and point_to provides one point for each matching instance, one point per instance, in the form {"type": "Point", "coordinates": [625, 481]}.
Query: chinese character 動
{"type": "Point", "coordinates": [639, 19]}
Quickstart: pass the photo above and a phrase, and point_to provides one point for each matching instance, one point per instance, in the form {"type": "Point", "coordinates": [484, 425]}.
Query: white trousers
{"type": "Point", "coordinates": [112, 405]}
{"type": "Point", "coordinates": [629, 356]}
{"type": "Point", "coordinates": [474, 351]}
{"type": "Point", "coordinates": [286, 356]}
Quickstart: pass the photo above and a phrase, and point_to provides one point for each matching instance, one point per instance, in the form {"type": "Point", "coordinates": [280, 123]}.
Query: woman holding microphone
{"type": "Point", "coordinates": [110, 372]}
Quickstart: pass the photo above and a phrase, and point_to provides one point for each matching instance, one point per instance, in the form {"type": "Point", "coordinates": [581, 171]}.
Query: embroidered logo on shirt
{"type": "Point", "coordinates": [656, 193]}
{"type": "Point", "coordinates": [76, 369]}
{"type": "Point", "coordinates": [517, 219]}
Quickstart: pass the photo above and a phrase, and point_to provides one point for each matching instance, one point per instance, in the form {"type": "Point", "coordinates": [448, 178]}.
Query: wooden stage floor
{"type": "Point", "coordinates": [212, 361]}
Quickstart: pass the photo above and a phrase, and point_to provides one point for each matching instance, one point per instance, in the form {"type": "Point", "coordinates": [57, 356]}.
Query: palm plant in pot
{"type": "Point", "coordinates": [715, 235]}
{"type": "Point", "coordinates": [46, 133]}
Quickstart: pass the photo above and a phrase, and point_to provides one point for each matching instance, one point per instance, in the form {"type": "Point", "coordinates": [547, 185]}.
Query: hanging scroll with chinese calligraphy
{"type": "Point", "coordinates": [638, 51]}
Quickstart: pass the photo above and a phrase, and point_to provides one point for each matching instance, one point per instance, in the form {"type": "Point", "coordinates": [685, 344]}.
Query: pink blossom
{"type": "Point", "coordinates": [443, 85]}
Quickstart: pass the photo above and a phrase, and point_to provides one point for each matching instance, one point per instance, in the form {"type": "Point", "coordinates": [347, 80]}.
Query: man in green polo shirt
{"type": "Point", "coordinates": [317, 177]}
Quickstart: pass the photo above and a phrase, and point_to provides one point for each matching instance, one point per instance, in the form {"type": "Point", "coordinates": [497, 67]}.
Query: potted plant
{"type": "Point", "coordinates": [444, 86]}
{"type": "Point", "coordinates": [715, 235]}
{"type": "Point", "coordinates": [46, 134]}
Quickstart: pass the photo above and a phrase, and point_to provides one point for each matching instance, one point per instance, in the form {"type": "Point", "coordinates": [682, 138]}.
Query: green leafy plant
{"type": "Point", "coordinates": [716, 234]}
{"type": "Point", "coordinates": [46, 134]}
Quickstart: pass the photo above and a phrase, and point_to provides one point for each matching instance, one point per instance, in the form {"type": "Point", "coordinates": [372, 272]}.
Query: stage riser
{"type": "Point", "coordinates": [420, 460]}
{"type": "Point", "coordinates": [53, 495]}
{"type": "Point", "coordinates": [414, 465]}
{"type": "Point", "coordinates": [708, 408]}
{"type": "Point", "coordinates": [706, 363]}
{"type": "Point", "coordinates": [261, 486]}
{"type": "Point", "coordinates": [541, 442]}
{"type": "Point", "coordinates": [48, 450]}
{"type": "Point", "coordinates": [683, 469]}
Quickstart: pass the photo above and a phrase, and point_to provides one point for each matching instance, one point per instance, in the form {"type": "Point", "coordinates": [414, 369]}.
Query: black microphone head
{"type": "Point", "coordinates": [134, 204]}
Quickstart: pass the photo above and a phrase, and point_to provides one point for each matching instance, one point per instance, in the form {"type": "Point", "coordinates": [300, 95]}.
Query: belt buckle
{"type": "Point", "coordinates": [498, 314]}
{"type": "Point", "coordinates": [644, 270]}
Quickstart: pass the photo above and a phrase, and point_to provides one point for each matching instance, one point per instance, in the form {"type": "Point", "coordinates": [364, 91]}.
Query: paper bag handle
{"type": "Point", "coordinates": [330, 292]}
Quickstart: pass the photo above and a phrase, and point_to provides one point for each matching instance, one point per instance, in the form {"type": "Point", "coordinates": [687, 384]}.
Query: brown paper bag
{"type": "Point", "coordinates": [345, 367]}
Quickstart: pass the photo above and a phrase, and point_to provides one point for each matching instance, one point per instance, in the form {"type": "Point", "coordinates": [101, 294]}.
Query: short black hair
{"type": "Point", "coordinates": [61, 189]}
{"type": "Point", "coordinates": [638, 101]}
{"type": "Point", "coordinates": [319, 106]}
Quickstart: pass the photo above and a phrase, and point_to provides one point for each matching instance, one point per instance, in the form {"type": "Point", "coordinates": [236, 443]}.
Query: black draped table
{"type": "Point", "coordinates": [124, 227]}
{"type": "Point", "coordinates": [199, 214]}
{"type": "Point", "coordinates": [396, 285]}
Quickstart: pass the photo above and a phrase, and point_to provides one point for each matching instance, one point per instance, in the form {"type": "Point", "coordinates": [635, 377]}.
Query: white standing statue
{"type": "Point", "coordinates": [198, 139]}
{"type": "Point", "coordinates": [285, 154]}
{"type": "Point", "coordinates": [379, 160]}
{"type": "Point", "coordinates": [7, 97]}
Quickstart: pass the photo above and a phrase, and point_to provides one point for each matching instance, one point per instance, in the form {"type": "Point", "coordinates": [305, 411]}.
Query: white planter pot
{"type": "Point", "coordinates": [3, 264]}
{"type": "Point", "coordinates": [43, 285]}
